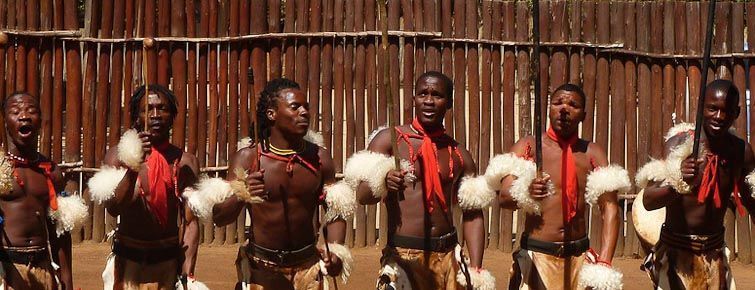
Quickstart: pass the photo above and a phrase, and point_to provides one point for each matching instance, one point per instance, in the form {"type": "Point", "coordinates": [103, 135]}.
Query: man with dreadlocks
{"type": "Point", "coordinates": [690, 251]}
{"type": "Point", "coordinates": [422, 249]}
{"type": "Point", "coordinates": [35, 250]}
{"type": "Point", "coordinates": [282, 180]}
{"type": "Point", "coordinates": [142, 180]}
{"type": "Point", "coordinates": [555, 252]}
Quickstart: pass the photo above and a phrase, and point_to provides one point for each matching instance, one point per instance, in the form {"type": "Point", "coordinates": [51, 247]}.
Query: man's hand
{"type": "Point", "coordinates": [256, 184]}
{"type": "Point", "coordinates": [690, 172]}
{"type": "Point", "coordinates": [394, 181]}
{"type": "Point", "coordinates": [146, 144]}
{"type": "Point", "coordinates": [333, 264]}
{"type": "Point", "coordinates": [539, 187]}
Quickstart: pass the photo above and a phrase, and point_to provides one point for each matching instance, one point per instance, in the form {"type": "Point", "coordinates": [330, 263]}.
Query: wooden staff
{"type": "Point", "coordinates": [146, 44]}
{"type": "Point", "coordinates": [703, 79]}
{"type": "Point", "coordinates": [383, 14]}
{"type": "Point", "coordinates": [536, 72]}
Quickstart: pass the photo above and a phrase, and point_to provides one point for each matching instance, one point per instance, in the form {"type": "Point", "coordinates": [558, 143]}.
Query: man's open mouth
{"type": "Point", "coordinates": [25, 130]}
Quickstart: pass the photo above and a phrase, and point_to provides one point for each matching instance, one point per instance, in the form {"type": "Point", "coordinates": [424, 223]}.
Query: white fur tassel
{"type": "Point", "coordinates": [524, 170]}
{"type": "Point", "coordinates": [208, 193]}
{"type": "Point", "coordinates": [750, 179]}
{"type": "Point", "coordinates": [678, 128]}
{"type": "Point", "coordinates": [243, 143]}
{"type": "Point", "coordinates": [192, 284]}
{"type": "Point", "coordinates": [130, 149]}
{"type": "Point", "coordinates": [474, 193]}
{"type": "Point", "coordinates": [655, 170]}
{"type": "Point", "coordinates": [599, 277]}
{"type": "Point", "coordinates": [102, 185]}
{"type": "Point", "coordinates": [606, 179]}
{"type": "Point", "coordinates": [371, 167]}
{"type": "Point", "coordinates": [481, 279]}
{"type": "Point", "coordinates": [315, 138]}
{"type": "Point", "coordinates": [344, 255]}
{"type": "Point", "coordinates": [341, 201]}
{"type": "Point", "coordinates": [668, 171]}
{"type": "Point", "coordinates": [71, 214]}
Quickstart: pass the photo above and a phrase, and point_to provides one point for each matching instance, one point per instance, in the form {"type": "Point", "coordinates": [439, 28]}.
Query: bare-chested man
{"type": "Point", "coordinates": [691, 253]}
{"type": "Point", "coordinates": [287, 178]}
{"type": "Point", "coordinates": [420, 251]}
{"type": "Point", "coordinates": [554, 244]}
{"type": "Point", "coordinates": [35, 250]}
{"type": "Point", "coordinates": [142, 180]}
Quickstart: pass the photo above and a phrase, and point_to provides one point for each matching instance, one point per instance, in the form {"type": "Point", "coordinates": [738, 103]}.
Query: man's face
{"type": "Point", "coordinates": [718, 116]}
{"type": "Point", "coordinates": [431, 101]}
{"type": "Point", "coordinates": [158, 115]}
{"type": "Point", "coordinates": [567, 110]}
{"type": "Point", "coordinates": [22, 120]}
{"type": "Point", "coordinates": [291, 115]}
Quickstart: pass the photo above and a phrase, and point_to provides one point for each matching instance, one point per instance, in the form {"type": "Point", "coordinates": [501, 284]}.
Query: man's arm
{"type": "Point", "coordinates": [189, 174]}
{"type": "Point", "coordinates": [226, 212]}
{"type": "Point", "coordinates": [60, 247]}
{"type": "Point", "coordinates": [657, 195]}
{"type": "Point", "coordinates": [504, 195]}
{"type": "Point", "coordinates": [609, 209]}
{"type": "Point", "coordinates": [472, 220]}
{"type": "Point", "coordinates": [394, 179]}
{"type": "Point", "coordinates": [124, 192]}
{"type": "Point", "coordinates": [337, 228]}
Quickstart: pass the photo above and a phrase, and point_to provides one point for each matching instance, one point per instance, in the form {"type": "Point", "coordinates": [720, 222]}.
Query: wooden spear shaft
{"type": "Point", "coordinates": [703, 80]}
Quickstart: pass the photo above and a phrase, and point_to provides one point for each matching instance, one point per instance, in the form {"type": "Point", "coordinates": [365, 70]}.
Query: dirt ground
{"type": "Point", "coordinates": [215, 268]}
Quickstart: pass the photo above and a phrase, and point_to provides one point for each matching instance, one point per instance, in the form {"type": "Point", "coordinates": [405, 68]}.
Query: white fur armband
{"type": "Point", "coordinates": [6, 174]}
{"type": "Point", "coordinates": [102, 185]}
{"type": "Point", "coordinates": [481, 279]}
{"type": "Point", "coordinates": [347, 261]}
{"type": "Point", "coordinates": [474, 193]}
{"type": "Point", "coordinates": [606, 179]}
{"type": "Point", "coordinates": [71, 214]}
{"type": "Point", "coordinates": [191, 284]}
{"type": "Point", "coordinates": [341, 201]}
{"type": "Point", "coordinates": [750, 180]}
{"type": "Point", "coordinates": [599, 277]}
{"type": "Point", "coordinates": [130, 150]}
{"type": "Point", "coordinates": [372, 167]}
{"type": "Point", "coordinates": [524, 170]}
{"type": "Point", "coordinates": [207, 193]}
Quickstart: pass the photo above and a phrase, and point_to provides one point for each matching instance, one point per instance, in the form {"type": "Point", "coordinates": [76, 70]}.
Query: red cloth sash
{"type": "Point", "coordinates": [569, 181]}
{"type": "Point", "coordinates": [160, 178]}
{"type": "Point", "coordinates": [46, 166]}
{"type": "Point", "coordinates": [710, 183]}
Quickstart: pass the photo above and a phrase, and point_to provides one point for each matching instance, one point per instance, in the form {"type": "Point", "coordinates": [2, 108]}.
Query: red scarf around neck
{"type": "Point", "coordinates": [569, 181]}
{"type": "Point", "coordinates": [431, 184]}
{"type": "Point", "coordinates": [46, 166]}
{"type": "Point", "coordinates": [160, 179]}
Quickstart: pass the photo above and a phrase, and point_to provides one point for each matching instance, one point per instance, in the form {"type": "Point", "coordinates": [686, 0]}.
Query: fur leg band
{"type": "Point", "coordinates": [599, 275]}
{"type": "Point", "coordinates": [523, 170]}
{"type": "Point", "coordinates": [474, 193]}
{"type": "Point", "coordinates": [130, 150]}
{"type": "Point", "coordinates": [344, 255]}
{"type": "Point", "coordinates": [371, 167]}
{"type": "Point", "coordinates": [102, 185]}
{"type": "Point", "coordinates": [606, 179]}
{"type": "Point", "coordinates": [341, 201]}
{"type": "Point", "coordinates": [481, 279]}
{"type": "Point", "coordinates": [191, 284]}
{"type": "Point", "coordinates": [71, 214]}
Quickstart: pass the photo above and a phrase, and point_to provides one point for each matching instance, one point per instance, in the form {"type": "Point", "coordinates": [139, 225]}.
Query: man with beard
{"type": "Point", "coordinates": [282, 180]}
{"type": "Point", "coordinates": [575, 172]}
{"type": "Point", "coordinates": [35, 251]}
{"type": "Point", "coordinates": [422, 249]}
{"type": "Point", "coordinates": [691, 253]}
{"type": "Point", "coordinates": [155, 243]}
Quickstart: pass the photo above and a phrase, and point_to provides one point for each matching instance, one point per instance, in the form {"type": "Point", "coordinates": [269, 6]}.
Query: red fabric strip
{"type": "Point", "coordinates": [568, 175]}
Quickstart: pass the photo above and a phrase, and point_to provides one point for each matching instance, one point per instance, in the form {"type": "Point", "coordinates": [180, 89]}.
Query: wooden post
{"type": "Point", "coordinates": [618, 101]}
{"type": "Point", "coordinates": [631, 244]}
{"type": "Point", "coordinates": [656, 83]}
{"type": "Point", "coordinates": [680, 47]}
{"type": "Point", "coordinates": [589, 69]}
{"type": "Point", "coordinates": [275, 45]}
{"type": "Point", "coordinates": [202, 100]}
{"type": "Point", "coordinates": [212, 116]}
{"type": "Point", "coordinates": [505, 106]}
{"type": "Point", "coordinates": [739, 79]}
{"type": "Point", "coordinates": [459, 75]}
{"type": "Point", "coordinates": [524, 95]}
{"type": "Point", "coordinates": [73, 95]}
{"type": "Point", "coordinates": [103, 222]}
{"type": "Point", "coordinates": [46, 81]}
{"type": "Point", "coordinates": [231, 232]}
{"type": "Point", "coordinates": [223, 108]}
{"type": "Point", "coordinates": [601, 99]}
{"type": "Point", "coordinates": [375, 120]}
{"type": "Point", "coordinates": [360, 215]}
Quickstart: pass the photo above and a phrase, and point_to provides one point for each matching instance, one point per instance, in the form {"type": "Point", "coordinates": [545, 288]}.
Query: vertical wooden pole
{"type": "Point", "coordinates": [603, 17]}
{"type": "Point", "coordinates": [575, 34]}
{"type": "Point", "coordinates": [58, 88]}
{"type": "Point", "coordinates": [589, 69]}
{"type": "Point", "coordinates": [680, 47]}
{"type": "Point", "coordinates": [669, 99]}
{"type": "Point", "coordinates": [656, 84]}
{"type": "Point", "coordinates": [223, 106]}
{"type": "Point", "coordinates": [486, 74]}
{"type": "Point", "coordinates": [163, 48]}
{"type": "Point", "coordinates": [191, 77]}
{"type": "Point", "coordinates": [73, 96]}
{"type": "Point", "coordinates": [523, 92]}
{"type": "Point", "coordinates": [503, 103]}
{"type": "Point", "coordinates": [233, 104]}
{"type": "Point", "coordinates": [178, 71]}
{"type": "Point", "coordinates": [202, 101]}
{"type": "Point", "coordinates": [46, 80]}
{"type": "Point", "coordinates": [375, 120]}
{"type": "Point", "coordinates": [643, 83]}
{"type": "Point", "coordinates": [459, 74]}
{"type": "Point", "coordinates": [212, 116]}
{"type": "Point", "coordinates": [630, 86]}
{"type": "Point", "coordinates": [93, 230]}
{"type": "Point", "coordinates": [360, 215]}
{"type": "Point", "coordinates": [618, 101]}
{"type": "Point", "coordinates": [739, 79]}
{"type": "Point", "coordinates": [333, 81]}
{"type": "Point", "coordinates": [105, 222]}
